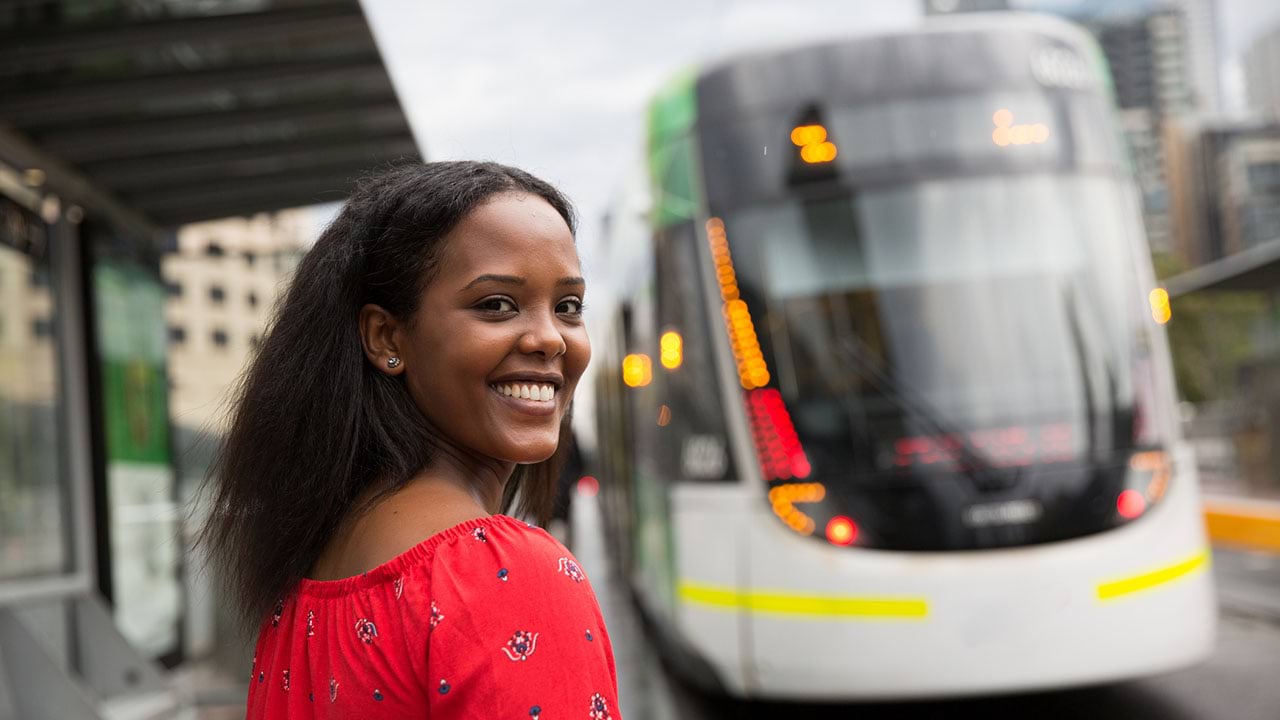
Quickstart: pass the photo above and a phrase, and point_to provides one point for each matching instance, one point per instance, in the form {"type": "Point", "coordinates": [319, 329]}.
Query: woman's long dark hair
{"type": "Point", "coordinates": [314, 424]}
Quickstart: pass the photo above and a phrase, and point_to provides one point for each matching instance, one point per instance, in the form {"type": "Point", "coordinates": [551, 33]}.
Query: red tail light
{"type": "Point", "coordinates": [841, 531]}
{"type": "Point", "coordinates": [1130, 504]}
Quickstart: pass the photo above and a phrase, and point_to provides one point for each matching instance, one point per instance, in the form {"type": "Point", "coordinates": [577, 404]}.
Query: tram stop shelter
{"type": "Point", "coordinates": [121, 120]}
{"type": "Point", "coordinates": [1256, 269]}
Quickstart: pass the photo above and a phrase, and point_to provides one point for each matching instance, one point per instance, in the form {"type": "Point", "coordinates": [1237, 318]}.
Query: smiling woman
{"type": "Point", "coordinates": [416, 383]}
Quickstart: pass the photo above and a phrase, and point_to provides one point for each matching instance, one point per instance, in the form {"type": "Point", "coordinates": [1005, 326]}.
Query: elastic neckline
{"type": "Point", "coordinates": [396, 566]}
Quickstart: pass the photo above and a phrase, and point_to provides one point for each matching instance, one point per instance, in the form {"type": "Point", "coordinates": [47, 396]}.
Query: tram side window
{"type": "Point", "coordinates": [691, 417]}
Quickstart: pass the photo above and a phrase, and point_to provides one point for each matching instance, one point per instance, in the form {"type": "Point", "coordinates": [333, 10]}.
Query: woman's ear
{"type": "Point", "coordinates": [379, 337]}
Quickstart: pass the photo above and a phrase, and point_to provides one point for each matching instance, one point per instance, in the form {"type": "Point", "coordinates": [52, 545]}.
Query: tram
{"type": "Point", "coordinates": [888, 408]}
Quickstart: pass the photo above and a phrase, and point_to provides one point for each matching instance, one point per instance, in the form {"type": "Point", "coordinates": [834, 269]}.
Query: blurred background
{"type": "Point", "coordinates": [937, 342]}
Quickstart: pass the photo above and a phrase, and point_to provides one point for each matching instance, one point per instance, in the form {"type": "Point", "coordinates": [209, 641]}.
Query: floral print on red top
{"type": "Point", "coordinates": [366, 631]}
{"type": "Point", "coordinates": [570, 568]}
{"type": "Point", "coordinates": [395, 656]}
{"type": "Point", "coordinates": [599, 708]}
{"type": "Point", "coordinates": [521, 645]}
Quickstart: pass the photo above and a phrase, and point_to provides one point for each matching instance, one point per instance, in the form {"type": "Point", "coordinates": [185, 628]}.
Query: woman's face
{"type": "Point", "coordinates": [498, 344]}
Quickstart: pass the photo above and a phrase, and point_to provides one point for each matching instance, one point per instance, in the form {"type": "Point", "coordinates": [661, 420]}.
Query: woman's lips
{"type": "Point", "coordinates": [527, 405]}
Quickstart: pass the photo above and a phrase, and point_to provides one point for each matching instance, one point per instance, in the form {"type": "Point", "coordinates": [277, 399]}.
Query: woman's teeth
{"type": "Point", "coordinates": [538, 393]}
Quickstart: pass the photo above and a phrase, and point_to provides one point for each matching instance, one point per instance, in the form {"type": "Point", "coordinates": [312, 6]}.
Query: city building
{"type": "Point", "coordinates": [1227, 193]}
{"type": "Point", "coordinates": [221, 282]}
{"type": "Point", "coordinates": [944, 7]}
{"type": "Point", "coordinates": [1201, 19]}
{"type": "Point", "coordinates": [1262, 75]}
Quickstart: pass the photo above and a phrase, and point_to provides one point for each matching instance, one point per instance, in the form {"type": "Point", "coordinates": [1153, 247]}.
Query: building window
{"type": "Point", "coordinates": [1264, 177]}
{"type": "Point", "coordinates": [41, 327]}
{"type": "Point", "coordinates": [177, 334]}
{"type": "Point", "coordinates": [220, 338]}
{"type": "Point", "coordinates": [173, 288]}
{"type": "Point", "coordinates": [217, 294]}
{"type": "Point", "coordinates": [213, 249]}
{"type": "Point", "coordinates": [249, 257]}
{"type": "Point", "coordinates": [253, 299]}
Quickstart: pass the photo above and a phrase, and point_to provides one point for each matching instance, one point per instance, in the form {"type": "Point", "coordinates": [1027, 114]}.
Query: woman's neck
{"type": "Point", "coordinates": [458, 477]}
{"type": "Point", "coordinates": [443, 495]}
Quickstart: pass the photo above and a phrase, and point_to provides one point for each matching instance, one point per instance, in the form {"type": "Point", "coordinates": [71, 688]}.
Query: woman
{"type": "Point", "coordinates": [416, 383]}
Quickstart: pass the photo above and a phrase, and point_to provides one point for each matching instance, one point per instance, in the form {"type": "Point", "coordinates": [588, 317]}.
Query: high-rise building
{"type": "Point", "coordinates": [1228, 193]}
{"type": "Point", "coordinates": [222, 281]}
{"type": "Point", "coordinates": [1148, 55]}
{"type": "Point", "coordinates": [1262, 74]}
{"type": "Point", "coordinates": [1148, 58]}
{"type": "Point", "coordinates": [944, 7]}
{"type": "Point", "coordinates": [1201, 18]}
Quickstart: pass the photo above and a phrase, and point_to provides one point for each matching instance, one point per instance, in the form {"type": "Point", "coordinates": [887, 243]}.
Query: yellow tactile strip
{"type": "Point", "coordinates": [1243, 524]}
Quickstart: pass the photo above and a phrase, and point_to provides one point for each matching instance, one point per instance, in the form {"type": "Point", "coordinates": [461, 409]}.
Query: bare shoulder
{"type": "Point", "coordinates": [401, 523]}
{"type": "Point", "coordinates": [389, 529]}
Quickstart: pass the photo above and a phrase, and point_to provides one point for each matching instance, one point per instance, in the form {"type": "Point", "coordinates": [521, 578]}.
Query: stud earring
{"type": "Point", "coordinates": [393, 362]}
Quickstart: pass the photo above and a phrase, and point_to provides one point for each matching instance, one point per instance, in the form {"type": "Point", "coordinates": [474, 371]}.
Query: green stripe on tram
{"type": "Point", "coordinates": [672, 115]}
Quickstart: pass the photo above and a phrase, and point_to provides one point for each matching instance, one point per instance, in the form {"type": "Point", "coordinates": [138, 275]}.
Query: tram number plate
{"type": "Point", "coordinates": [1010, 512]}
{"type": "Point", "coordinates": [704, 457]}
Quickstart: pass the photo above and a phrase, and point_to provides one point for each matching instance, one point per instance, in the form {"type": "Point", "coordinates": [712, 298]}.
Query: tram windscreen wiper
{"type": "Point", "coordinates": [852, 351]}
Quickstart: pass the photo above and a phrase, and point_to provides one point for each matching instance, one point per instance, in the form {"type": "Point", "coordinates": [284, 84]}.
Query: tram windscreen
{"type": "Point", "coordinates": [997, 318]}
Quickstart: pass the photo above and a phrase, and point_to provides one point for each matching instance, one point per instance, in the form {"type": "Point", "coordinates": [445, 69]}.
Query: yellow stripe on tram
{"type": "Point", "coordinates": [825, 606]}
{"type": "Point", "coordinates": [1137, 583]}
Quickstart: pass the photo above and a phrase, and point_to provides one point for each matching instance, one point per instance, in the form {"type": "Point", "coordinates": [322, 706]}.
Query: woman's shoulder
{"type": "Point", "coordinates": [503, 539]}
{"type": "Point", "coordinates": [450, 545]}
{"type": "Point", "coordinates": [508, 560]}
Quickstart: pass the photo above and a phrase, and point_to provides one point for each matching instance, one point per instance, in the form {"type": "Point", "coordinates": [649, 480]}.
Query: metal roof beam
{"type": "Point", "coordinates": [152, 139]}
{"type": "Point", "coordinates": [1257, 268]}
{"type": "Point", "coordinates": [90, 101]}
{"type": "Point", "coordinates": [267, 197]}
{"type": "Point", "coordinates": [336, 183]}
{"type": "Point", "coordinates": [193, 169]}
{"type": "Point", "coordinates": [331, 18]}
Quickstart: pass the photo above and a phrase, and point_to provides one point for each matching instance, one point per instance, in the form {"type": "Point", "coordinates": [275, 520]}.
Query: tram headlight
{"type": "Point", "coordinates": [672, 350]}
{"type": "Point", "coordinates": [637, 370]}
{"type": "Point", "coordinates": [1161, 310]}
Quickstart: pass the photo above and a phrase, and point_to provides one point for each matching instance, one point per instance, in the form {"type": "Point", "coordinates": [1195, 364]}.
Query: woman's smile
{"type": "Point", "coordinates": [528, 395]}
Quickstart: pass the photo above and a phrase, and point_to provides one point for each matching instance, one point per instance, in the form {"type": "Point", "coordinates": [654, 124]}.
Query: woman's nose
{"type": "Point", "coordinates": [542, 336]}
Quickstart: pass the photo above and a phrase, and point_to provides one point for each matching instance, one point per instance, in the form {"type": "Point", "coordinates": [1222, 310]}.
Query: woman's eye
{"type": "Point", "coordinates": [569, 306]}
{"type": "Point", "coordinates": [497, 305]}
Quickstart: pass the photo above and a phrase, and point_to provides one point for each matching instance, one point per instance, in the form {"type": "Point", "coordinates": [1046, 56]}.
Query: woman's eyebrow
{"type": "Point", "coordinates": [514, 280]}
{"type": "Point", "coordinates": [508, 279]}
